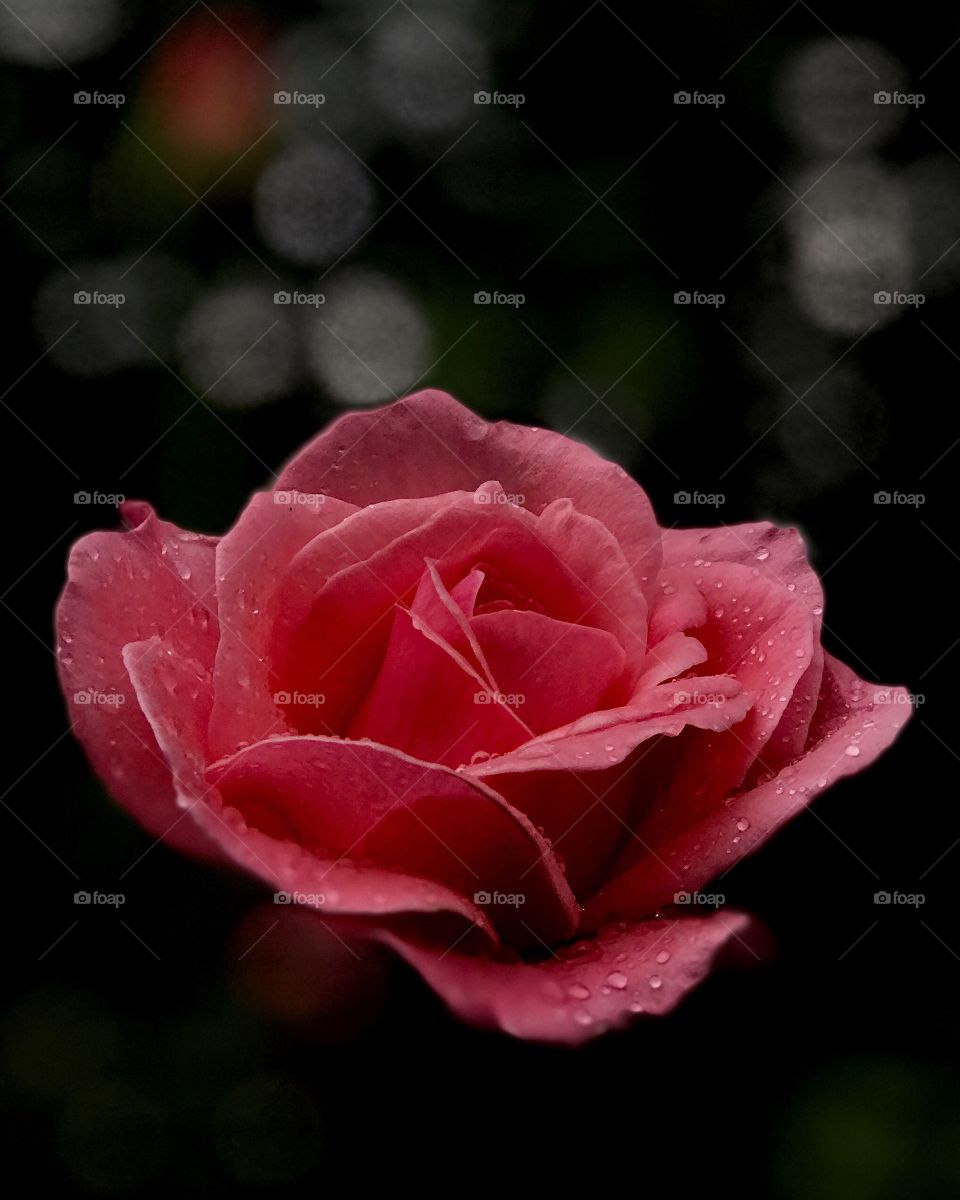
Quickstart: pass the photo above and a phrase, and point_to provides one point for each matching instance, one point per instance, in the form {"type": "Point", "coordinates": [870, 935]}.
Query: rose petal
{"type": "Point", "coordinates": [580, 783]}
{"type": "Point", "coordinates": [857, 722]}
{"type": "Point", "coordinates": [594, 556]}
{"type": "Point", "coordinates": [763, 636]}
{"type": "Point", "coordinates": [123, 587]}
{"type": "Point", "coordinates": [374, 803]}
{"type": "Point", "coordinates": [424, 699]}
{"type": "Point", "coordinates": [602, 983]}
{"type": "Point", "coordinates": [672, 656]}
{"type": "Point", "coordinates": [780, 556]}
{"type": "Point", "coordinates": [679, 604]}
{"type": "Point", "coordinates": [250, 562]}
{"type": "Point", "coordinates": [428, 444]}
{"type": "Point", "coordinates": [603, 739]}
{"type": "Point", "coordinates": [165, 683]}
{"type": "Point", "coordinates": [554, 671]}
{"type": "Point", "coordinates": [339, 593]}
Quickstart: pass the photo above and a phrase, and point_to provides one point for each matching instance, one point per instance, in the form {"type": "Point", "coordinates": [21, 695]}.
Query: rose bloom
{"type": "Point", "coordinates": [450, 684]}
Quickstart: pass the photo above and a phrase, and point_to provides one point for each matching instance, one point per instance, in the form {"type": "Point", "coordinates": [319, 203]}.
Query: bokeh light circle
{"type": "Point", "coordinates": [313, 202]}
{"type": "Point", "coordinates": [237, 347]}
{"type": "Point", "coordinates": [370, 341]}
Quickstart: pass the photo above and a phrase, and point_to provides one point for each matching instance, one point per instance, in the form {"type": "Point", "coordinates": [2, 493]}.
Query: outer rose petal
{"type": "Point", "coordinates": [154, 579]}
{"type": "Point", "coordinates": [178, 710]}
{"type": "Point", "coordinates": [780, 556]}
{"type": "Point", "coordinates": [856, 722]}
{"type": "Point", "coordinates": [603, 984]}
{"type": "Point", "coordinates": [762, 635]}
{"type": "Point", "coordinates": [376, 804]}
{"type": "Point", "coordinates": [429, 443]}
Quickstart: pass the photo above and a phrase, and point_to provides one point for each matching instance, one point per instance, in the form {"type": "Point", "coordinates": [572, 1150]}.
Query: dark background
{"type": "Point", "coordinates": [152, 1047]}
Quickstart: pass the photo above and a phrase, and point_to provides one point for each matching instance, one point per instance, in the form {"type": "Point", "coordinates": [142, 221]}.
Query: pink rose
{"type": "Point", "coordinates": [450, 684]}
